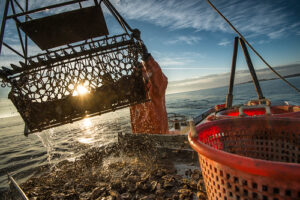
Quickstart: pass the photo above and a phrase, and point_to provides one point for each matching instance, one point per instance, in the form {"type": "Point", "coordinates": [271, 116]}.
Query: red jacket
{"type": "Point", "coordinates": [151, 117]}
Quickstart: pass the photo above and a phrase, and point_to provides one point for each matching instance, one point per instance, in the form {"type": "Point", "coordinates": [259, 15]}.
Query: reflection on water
{"type": "Point", "coordinates": [70, 141]}
{"type": "Point", "coordinates": [86, 140]}
{"type": "Point", "coordinates": [87, 136]}
{"type": "Point", "coordinates": [87, 122]}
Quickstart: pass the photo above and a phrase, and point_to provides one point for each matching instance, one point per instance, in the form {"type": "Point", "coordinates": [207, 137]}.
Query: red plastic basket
{"type": "Point", "coordinates": [250, 158]}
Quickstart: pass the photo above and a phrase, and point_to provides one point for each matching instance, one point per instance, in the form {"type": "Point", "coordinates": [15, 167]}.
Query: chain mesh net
{"type": "Point", "coordinates": [68, 84]}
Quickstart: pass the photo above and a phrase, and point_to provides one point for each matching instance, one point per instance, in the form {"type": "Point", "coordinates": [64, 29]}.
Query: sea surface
{"type": "Point", "coordinates": [22, 156]}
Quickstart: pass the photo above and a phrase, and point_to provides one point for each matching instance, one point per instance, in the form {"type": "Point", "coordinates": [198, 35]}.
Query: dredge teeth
{"type": "Point", "coordinates": [6, 71]}
{"type": "Point", "coordinates": [23, 65]}
{"type": "Point", "coordinates": [57, 56]}
{"type": "Point", "coordinates": [16, 68]}
{"type": "Point", "coordinates": [32, 62]}
{"type": "Point", "coordinates": [41, 60]}
{"type": "Point", "coordinates": [66, 54]}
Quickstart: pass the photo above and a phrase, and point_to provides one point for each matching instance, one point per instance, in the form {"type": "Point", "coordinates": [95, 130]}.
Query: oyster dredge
{"type": "Point", "coordinates": [248, 151]}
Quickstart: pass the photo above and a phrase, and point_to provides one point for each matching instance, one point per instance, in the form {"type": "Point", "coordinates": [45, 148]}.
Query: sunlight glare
{"type": "Point", "coordinates": [80, 90]}
{"type": "Point", "coordinates": [87, 123]}
{"type": "Point", "coordinates": [86, 140]}
{"type": "Point", "coordinates": [88, 136]}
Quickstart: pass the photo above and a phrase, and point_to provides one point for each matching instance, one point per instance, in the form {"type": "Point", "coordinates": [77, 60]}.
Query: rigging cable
{"type": "Point", "coordinates": [243, 38]}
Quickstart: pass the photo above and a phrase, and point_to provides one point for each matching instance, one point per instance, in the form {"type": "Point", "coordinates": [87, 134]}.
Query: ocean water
{"type": "Point", "coordinates": [22, 156]}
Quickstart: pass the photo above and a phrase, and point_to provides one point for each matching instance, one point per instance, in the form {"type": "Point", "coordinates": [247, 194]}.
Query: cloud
{"type": "Point", "coordinates": [192, 68]}
{"type": "Point", "coordinates": [182, 61]}
{"type": "Point", "coordinates": [224, 42]}
{"type": "Point", "coordinates": [277, 34]}
{"type": "Point", "coordinates": [170, 60]}
{"type": "Point", "coordinates": [250, 17]}
{"type": "Point", "coordinates": [196, 55]}
{"type": "Point", "coordinates": [263, 42]}
{"type": "Point", "coordinates": [33, 50]}
{"type": "Point", "coordinates": [173, 14]}
{"type": "Point", "coordinates": [9, 57]}
{"type": "Point", "coordinates": [190, 40]}
{"type": "Point", "coordinates": [254, 17]}
{"type": "Point", "coordinates": [219, 80]}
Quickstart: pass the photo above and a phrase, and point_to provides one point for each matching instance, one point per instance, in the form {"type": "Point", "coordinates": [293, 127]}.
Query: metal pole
{"type": "Point", "coordinates": [252, 70]}
{"type": "Point", "coordinates": [17, 27]}
{"type": "Point", "coordinates": [229, 97]}
{"type": "Point", "coordinates": [17, 187]}
{"type": "Point", "coordinates": [9, 47]}
{"type": "Point", "coordinates": [20, 7]}
{"type": "Point", "coordinates": [3, 23]}
{"type": "Point", "coordinates": [120, 18]}
{"type": "Point", "coordinates": [26, 36]}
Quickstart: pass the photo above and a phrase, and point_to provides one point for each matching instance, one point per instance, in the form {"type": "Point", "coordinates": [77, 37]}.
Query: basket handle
{"type": "Point", "coordinates": [241, 109]}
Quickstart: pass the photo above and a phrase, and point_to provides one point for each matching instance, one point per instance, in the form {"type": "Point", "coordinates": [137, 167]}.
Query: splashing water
{"type": "Point", "coordinates": [71, 141]}
{"type": "Point", "coordinates": [46, 139]}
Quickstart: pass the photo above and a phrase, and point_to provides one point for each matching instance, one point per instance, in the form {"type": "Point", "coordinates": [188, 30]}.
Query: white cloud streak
{"type": "Point", "coordinates": [170, 60]}
{"type": "Point", "coordinates": [224, 42]}
{"type": "Point", "coordinates": [253, 17]}
{"type": "Point", "coordinates": [190, 40]}
{"type": "Point", "coordinates": [250, 17]}
{"type": "Point", "coordinates": [188, 68]}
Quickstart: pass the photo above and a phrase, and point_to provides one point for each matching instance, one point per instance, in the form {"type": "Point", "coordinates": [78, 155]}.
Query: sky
{"type": "Point", "coordinates": [189, 40]}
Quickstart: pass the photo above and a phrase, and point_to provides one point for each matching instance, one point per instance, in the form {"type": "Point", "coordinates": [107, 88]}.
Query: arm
{"type": "Point", "coordinates": [157, 79]}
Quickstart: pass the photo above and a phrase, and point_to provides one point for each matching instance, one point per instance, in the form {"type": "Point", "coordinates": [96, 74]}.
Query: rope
{"type": "Point", "coordinates": [261, 58]}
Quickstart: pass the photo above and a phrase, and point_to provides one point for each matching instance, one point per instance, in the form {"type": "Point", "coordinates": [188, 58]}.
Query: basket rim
{"type": "Point", "coordinates": [253, 166]}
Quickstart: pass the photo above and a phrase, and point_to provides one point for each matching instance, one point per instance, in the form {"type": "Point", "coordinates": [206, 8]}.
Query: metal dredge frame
{"type": "Point", "coordinates": [43, 85]}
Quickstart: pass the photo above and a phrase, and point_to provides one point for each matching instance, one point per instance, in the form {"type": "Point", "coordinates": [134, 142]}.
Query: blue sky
{"type": "Point", "coordinates": [190, 40]}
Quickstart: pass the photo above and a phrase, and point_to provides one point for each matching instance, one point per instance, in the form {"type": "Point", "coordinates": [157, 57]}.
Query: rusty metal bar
{"type": "Point", "coordinates": [85, 43]}
{"type": "Point", "coordinates": [229, 97]}
{"type": "Point", "coordinates": [26, 36]}
{"type": "Point", "coordinates": [18, 29]}
{"type": "Point", "coordinates": [20, 7]}
{"type": "Point", "coordinates": [53, 125]}
{"type": "Point", "coordinates": [53, 62]}
{"type": "Point", "coordinates": [45, 8]}
{"type": "Point", "coordinates": [4, 18]}
{"type": "Point", "coordinates": [9, 47]}
{"type": "Point", "coordinates": [252, 70]}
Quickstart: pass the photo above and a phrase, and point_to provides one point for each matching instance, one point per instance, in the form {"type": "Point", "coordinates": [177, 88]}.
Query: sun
{"type": "Point", "coordinates": [80, 90]}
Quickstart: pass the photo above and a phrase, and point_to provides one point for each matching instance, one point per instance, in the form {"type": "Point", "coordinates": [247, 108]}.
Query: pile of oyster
{"type": "Point", "coordinates": [117, 172]}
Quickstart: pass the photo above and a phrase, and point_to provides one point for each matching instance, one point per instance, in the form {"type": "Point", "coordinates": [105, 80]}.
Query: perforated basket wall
{"type": "Point", "coordinates": [250, 158]}
{"type": "Point", "coordinates": [45, 91]}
